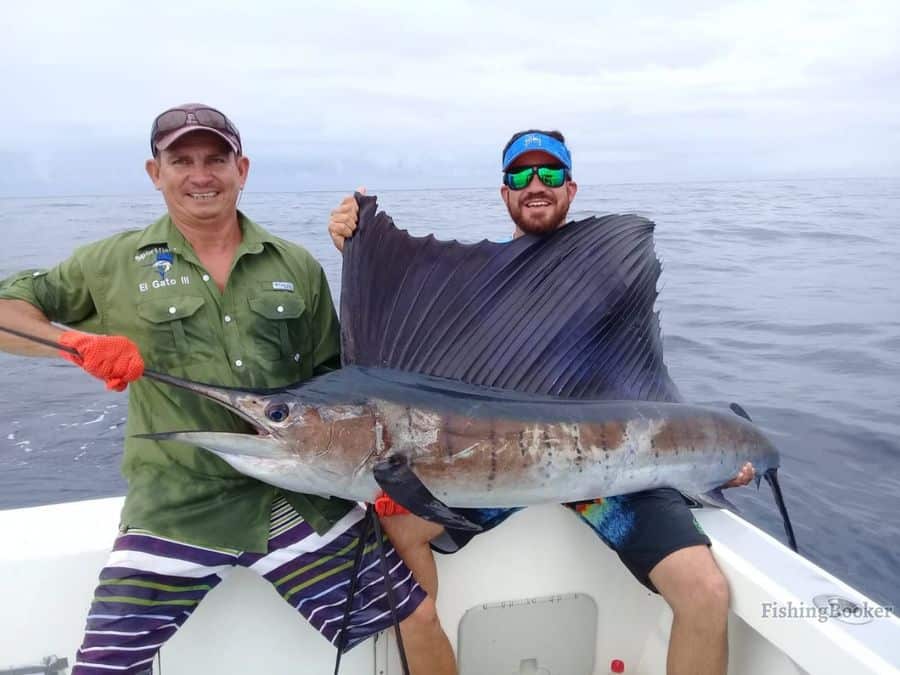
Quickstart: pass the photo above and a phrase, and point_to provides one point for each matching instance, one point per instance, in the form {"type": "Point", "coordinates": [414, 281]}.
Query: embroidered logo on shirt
{"type": "Point", "coordinates": [163, 263]}
{"type": "Point", "coordinates": [161, 266]}
{"type": "Point", "coordinates": [282, 285]}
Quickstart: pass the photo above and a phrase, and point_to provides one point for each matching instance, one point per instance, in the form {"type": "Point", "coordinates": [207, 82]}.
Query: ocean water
{"type": "Point", "coordinates": [780, 295]}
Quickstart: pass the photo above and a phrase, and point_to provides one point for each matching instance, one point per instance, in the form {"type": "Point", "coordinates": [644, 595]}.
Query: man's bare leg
{"type": "Point", "coordinates": [427, 648]}
{"type": "Point", "coordinates": [410, 535]}
{"type": "Point", "coordinates": [697, 591]}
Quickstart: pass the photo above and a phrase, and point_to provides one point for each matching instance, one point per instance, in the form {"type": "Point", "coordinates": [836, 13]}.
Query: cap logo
{"type": "Point", "coordinates": [537, 141]}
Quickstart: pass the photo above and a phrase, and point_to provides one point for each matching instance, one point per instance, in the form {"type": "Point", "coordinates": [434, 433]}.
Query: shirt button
{"type": "Point", "coordinates": [297, 358]}
{"type": "Point", "coordinates": [227, 319]}
{"type": "Point", "coordinates": [279, 309]}
{"type": "Point", "coordinates": [172, 310]}
{"type": "Point", "coordinates": [238, 363]}
{"type": "Point", "coordinates": [205, 277]}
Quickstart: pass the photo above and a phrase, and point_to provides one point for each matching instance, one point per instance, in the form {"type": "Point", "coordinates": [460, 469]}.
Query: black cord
{"type": "Point", "coordinates": [371, 520]}
{"type": "Point", "coordinates": [354, 580]}
{"type": "Point", "coordinates": [390, 592]}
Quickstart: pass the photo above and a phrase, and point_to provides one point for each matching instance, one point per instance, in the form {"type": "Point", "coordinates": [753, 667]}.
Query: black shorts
{"type": "Point", "coordinates": [642, 527]}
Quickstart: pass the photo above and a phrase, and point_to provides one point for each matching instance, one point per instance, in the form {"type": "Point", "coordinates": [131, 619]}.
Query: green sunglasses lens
{"type": "Point", "coordinates": [551, 177]}
{"type": "Point", "coordinates": [519, 179]}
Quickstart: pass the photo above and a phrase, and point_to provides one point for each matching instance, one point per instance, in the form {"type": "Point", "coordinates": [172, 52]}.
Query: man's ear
{"type": "Point", "coordinates": [151, 166]}
{"type": "Point", "coordinates": [571, 189]}
{"type": "Point", "coordinates": [243, 164]}
{"type": "Point", "coordinates": [504, 194]}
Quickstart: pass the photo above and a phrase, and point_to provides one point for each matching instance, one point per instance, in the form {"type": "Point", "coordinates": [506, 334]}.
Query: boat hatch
{"type": "Point", "coordinates": [554, 635]}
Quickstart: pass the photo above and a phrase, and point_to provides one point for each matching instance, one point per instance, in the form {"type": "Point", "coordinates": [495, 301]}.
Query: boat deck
{"type": "Point", "coordinates": [505, 602]}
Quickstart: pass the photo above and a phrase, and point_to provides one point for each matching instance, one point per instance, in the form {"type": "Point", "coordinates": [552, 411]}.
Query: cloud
{"type": "Point", "coordinates": [328, 93]}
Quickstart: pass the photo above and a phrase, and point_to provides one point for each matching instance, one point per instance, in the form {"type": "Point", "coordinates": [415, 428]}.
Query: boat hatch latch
{"type": "Point", "coordinates": [49, 665]}
{"type": "Point", "coordinates": [839, 608]}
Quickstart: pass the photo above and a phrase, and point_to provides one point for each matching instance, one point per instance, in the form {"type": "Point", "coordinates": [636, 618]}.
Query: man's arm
{"type": "Point", "coordinates": [26, 318]}
{"type": "Point", "coordinates": [112, 358]}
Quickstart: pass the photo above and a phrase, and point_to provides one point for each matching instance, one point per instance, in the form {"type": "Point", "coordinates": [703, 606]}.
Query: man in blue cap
{"type": "Point", "coordinates": [537, 206]}
{"type": "Point", "coordinates": [653, 532]}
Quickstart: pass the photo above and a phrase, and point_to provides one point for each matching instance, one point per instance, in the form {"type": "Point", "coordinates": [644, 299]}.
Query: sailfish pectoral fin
{"type": "Point", "coordinates": [398, 480]}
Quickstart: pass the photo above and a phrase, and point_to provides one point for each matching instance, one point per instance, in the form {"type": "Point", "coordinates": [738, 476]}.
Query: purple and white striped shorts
{"type": "Point", "coordinates": [151, 585]}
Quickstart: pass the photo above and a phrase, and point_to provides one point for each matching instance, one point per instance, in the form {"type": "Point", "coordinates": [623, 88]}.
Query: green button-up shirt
{"type": "Point", "coordinates": [273, 326]}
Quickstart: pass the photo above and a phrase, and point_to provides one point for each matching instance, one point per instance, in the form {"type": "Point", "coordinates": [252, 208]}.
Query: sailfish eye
{"type": "Point", "coordinates": [277, 412]}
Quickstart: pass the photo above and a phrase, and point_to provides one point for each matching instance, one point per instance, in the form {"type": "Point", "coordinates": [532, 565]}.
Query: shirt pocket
{"type": "Point", "coordinates": [281, 328]}
{"type": "Point", "coordinates": [177, 330]}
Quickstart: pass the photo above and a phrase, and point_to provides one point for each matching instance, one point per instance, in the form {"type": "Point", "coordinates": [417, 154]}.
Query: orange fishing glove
{"type": "Point", "coordinates": [385, 506]}
{"type": "Point", "coordinates": [113, 358]}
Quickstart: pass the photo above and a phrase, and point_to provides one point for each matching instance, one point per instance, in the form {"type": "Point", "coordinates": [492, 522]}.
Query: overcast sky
{"type": "Point", "coordinates": [418, 94]}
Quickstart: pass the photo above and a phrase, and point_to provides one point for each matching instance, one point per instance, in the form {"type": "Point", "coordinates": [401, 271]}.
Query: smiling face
{"type": "Point", "coordinates": [200, 179]}
{"type": "Point", "coordinates": [538, 209]}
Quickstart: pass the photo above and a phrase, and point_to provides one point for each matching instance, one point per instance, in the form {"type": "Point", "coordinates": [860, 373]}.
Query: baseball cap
{"type": "Point", "coordinates": [172, 124]}
{"type": "Point", "coordinates": [537, 141]}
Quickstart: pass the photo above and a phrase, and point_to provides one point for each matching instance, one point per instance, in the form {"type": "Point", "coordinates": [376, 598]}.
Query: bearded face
{"type": "Point", "coordinates": [537, 208]}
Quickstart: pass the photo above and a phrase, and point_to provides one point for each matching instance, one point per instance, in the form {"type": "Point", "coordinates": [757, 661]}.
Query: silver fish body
{"type": "Point", "coordinates": [476, 446]}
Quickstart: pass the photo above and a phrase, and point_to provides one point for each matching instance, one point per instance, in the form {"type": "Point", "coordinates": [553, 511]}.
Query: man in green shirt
{"type": "Point", "coordinates": [207, 294]}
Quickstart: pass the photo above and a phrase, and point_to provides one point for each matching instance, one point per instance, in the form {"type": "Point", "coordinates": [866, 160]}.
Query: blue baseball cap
{"type": "Point", "coordinates": [537, 141]}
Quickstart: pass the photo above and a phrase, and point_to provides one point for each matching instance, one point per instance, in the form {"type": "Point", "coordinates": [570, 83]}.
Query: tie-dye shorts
{"type": "Point", "coordinates": [642, 527]}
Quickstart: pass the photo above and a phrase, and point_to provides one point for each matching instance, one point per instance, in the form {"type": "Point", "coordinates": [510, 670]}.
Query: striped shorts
{"type": "Point", "coordinates": [151, 585]}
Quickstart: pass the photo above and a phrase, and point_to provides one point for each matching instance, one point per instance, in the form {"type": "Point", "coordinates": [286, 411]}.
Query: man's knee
{"type": "Point", "coordinates": [709, 594]}
{"type": "Point", "coordinates": [424, 618]}
{"type": "Point", "coordinates": [409, 531]}
{"type": "Point", "coordinates": [692, 583]}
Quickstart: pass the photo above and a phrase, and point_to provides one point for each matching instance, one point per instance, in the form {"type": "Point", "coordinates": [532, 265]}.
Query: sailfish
{"type": "Point", "coordinates": [491, 375]}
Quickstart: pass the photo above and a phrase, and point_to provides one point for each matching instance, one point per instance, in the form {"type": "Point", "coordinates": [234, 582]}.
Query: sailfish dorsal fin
{"type": "Point", "coordinates": [568, 314]}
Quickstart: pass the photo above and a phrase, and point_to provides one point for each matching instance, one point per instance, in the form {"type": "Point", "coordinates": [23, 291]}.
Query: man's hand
{"type": "Point", "coordinates": [746, 474]}
{"type": "Point", "coordinates": [342, 223]}
{"type": "Point", "coordinates": [113, 358]}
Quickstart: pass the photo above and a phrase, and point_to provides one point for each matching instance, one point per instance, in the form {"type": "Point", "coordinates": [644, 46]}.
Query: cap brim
{"type": "Point", "coordinates": [562, 160]}
{"type": "Point", "coordinates": [167, 140]}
